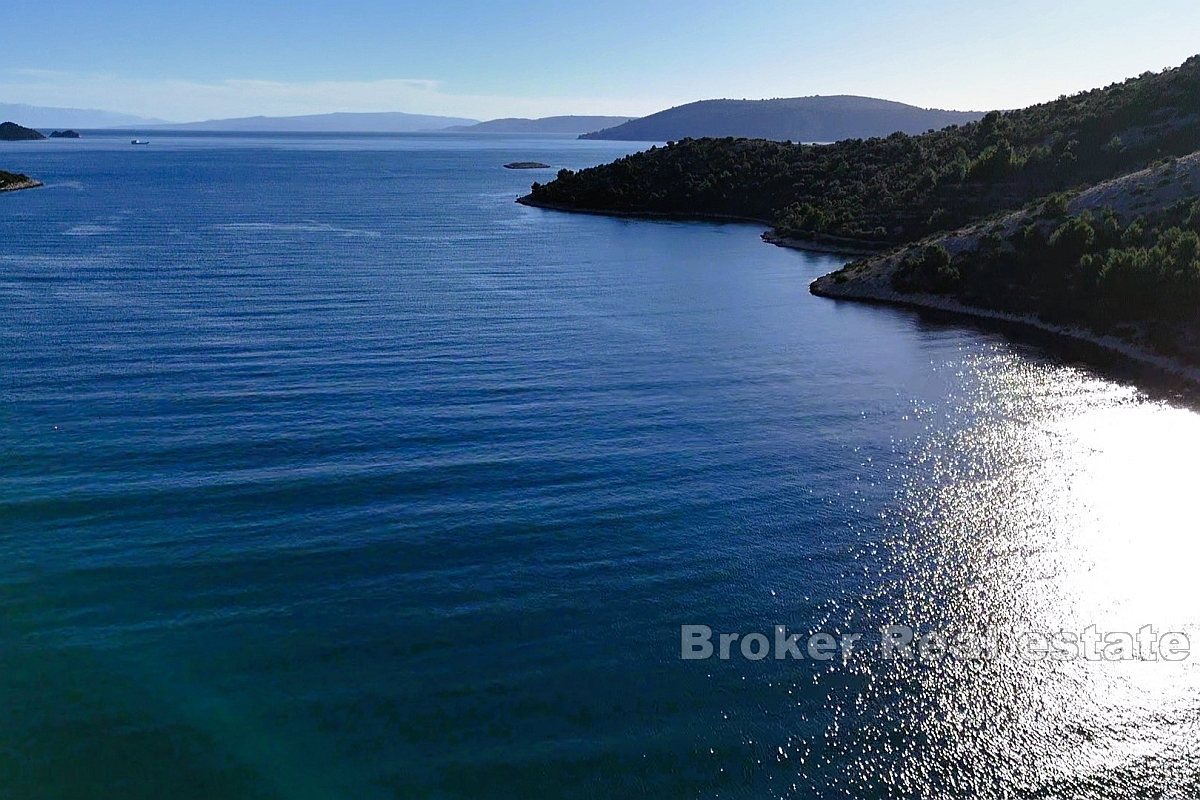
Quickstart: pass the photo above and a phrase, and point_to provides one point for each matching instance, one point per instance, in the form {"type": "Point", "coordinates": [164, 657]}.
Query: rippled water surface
{"type": "Point", "coordinates": [327, 471]}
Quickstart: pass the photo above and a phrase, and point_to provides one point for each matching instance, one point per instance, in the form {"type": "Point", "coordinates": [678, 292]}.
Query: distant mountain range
{"type": "Point", "coordinates": [50, 117]}
{"type": "Point", "coordinates": [377, 122]}
{"type": "Point", "coordinates": [797, 119]}
{"type": "Point", "coordinates": [373, 122]}
{"type": "Point", "coordinates": [569, 125]}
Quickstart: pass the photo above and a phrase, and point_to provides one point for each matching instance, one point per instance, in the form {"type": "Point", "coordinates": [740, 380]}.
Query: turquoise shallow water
{"type": "Point", "coordinates": [328, 471]}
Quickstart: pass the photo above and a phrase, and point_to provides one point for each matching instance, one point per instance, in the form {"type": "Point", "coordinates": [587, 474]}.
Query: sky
{"type": "Point", "coordinates": [183, 60]}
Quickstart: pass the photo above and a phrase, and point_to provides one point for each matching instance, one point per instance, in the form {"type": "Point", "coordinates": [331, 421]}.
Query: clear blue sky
{"type": "Point", "coordinates": [180, 59]}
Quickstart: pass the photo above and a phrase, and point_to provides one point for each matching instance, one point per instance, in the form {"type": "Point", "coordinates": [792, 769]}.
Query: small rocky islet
{"type": "Point", "coordinates": [12, 181]}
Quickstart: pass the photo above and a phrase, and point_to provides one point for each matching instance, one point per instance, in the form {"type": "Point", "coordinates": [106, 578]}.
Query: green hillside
{"type": "Point", "coordinates": [884, 191]}
{"type": "Point", "coordinates": [1119, 259]}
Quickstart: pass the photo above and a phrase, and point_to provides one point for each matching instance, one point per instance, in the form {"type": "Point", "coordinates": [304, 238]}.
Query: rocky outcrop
{"type": "Point", "coordinates": [11, 182]}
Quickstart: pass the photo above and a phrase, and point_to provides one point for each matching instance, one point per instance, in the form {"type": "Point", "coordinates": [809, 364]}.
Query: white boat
{"type": "Point", "coordinates": [138, 141]}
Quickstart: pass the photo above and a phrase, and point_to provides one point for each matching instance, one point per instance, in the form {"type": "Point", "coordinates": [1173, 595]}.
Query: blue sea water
{"type": "Point", "coordinates": [328, 471]}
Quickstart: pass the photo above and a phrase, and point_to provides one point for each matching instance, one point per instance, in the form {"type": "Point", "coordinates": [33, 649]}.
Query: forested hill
{"type": "Point", "coordinates": [797, 119]}
{"type": "Point", "coordinates": [900, 188]}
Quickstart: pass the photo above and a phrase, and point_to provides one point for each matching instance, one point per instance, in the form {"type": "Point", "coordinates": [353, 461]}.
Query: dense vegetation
{"type": "Point", "coordinates": [1088, 268]}
{"type": "Point", "coordinates": [900, 188]}
{"type": "Point", "coordinates": [799, 119]}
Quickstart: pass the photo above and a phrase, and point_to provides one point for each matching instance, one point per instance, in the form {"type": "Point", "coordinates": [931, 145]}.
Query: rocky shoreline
{"type": "Point", "coordinates": [17, 186]}
{"type": "Point", "coordinates": [876, 288]}
{"type": "Point", "coordinates": [825, 244]}
{"type": "Point", "coordinates": [1158, 187]}
{"type": "Point", "coordinates": [868, 287]}
{"type": "Point", "coordinates": [870, 280]}
{"type": "Point", "coordinates": [827, 287]}
{"type": "Point", "coordinates": [529, 201]}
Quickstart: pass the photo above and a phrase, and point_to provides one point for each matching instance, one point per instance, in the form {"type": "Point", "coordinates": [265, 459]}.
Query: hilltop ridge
{"type": "Point", "coordinates": [797, 119]}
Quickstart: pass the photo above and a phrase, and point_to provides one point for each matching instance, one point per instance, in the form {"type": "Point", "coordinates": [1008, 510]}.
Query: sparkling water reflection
{"type": "Point", "coordinates": [1045, 500]}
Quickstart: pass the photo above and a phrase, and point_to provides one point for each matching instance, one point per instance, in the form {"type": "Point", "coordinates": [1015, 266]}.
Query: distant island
{"type": "Point", "coordinates": [1078, 215]}
{"type": "Point", "coordinates": [12, 132]}
{"type": "Point", "coordinates": [796, 119]}
{"type": "Point", "coordinates": [380, 122]}
{"type": "Point", "coordinates": [67, 134]}
{"type": "Point", "coordinates": [526, 165]}
{"type": "Point", "coordinates": [571, 125]}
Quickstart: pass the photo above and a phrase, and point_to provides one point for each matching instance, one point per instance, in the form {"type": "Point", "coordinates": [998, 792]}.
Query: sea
{"type": "Point", "coordinates": [328, 471]}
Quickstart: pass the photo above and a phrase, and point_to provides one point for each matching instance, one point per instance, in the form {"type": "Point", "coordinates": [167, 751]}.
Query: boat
{"type": "Point", "coordinates": [138, 141]}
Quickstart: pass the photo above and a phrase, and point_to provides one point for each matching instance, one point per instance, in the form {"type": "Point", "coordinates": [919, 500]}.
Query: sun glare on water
{"type": "Point", "coordinates": [1084, 521]}
{"type": "Point", "coordinates": [1053, 503]}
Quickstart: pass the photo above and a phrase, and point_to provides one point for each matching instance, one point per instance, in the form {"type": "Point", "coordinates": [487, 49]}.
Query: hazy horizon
{"type": "Point", "coordinates": [186, 62]}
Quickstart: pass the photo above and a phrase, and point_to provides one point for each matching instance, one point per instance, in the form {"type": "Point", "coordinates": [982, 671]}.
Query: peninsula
{"type": "Point", "coordinates": [1079, 216]}
{"type": "Point", "coordinates": [881, 192]}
